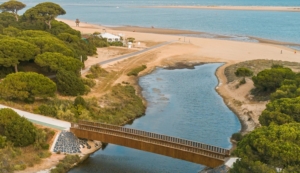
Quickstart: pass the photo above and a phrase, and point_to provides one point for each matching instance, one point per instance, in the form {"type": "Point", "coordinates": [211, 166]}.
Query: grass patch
{"type": "Point", "coordinates": [96, 71]}
{"type": "Point", "coordinates": [135, 71]}
{"type": "Point", "coordinates": [66, 164]}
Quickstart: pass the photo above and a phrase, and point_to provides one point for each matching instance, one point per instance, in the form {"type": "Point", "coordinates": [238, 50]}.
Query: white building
{"type": "Point", "coordinates": [110, 37]}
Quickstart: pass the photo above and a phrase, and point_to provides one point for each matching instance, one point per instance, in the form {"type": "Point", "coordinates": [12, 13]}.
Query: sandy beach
{"type": "Point", "coordinates": [252, 8]}
{"type": "Point", "coordinates": [197, 50]}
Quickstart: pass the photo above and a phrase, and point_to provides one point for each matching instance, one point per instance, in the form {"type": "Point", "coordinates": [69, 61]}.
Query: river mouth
{"type": "Point", "coordinates": [181, 103]}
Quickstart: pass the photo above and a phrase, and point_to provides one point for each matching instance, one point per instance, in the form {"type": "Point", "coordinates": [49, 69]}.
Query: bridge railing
{"type": "Point", "coordinates": [165, 138]}
{"type": "Point", "coordinates": [150, 140]}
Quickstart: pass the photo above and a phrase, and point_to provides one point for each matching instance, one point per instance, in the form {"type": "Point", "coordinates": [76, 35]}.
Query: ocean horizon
{"type": "Point", "coordinates": [242, 25]}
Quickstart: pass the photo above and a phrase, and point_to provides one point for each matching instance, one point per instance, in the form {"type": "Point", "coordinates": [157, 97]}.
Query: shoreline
{"type": "Point", "coordinates": [179, 33]}
{"type": "Point", "coordinates": [196, 51]}
{"type": "Point", "coordinates": [221, 7]}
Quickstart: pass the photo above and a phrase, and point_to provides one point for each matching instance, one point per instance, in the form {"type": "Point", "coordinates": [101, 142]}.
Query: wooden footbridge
{"type": "Point", "coordinates": [196, 152]}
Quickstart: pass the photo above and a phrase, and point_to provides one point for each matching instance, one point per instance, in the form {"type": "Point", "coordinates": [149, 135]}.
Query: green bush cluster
{"type": "Point", "coordinates": [16, 129]}
{"type": "Point", "coordinates": [237, 136]}
{"type": "Point", "coordinates": [135, 72]}
{"type": "Point", "coordinates": [96, 71]}
{"type": "Point", "coordinates": [275, 144]}
{"type": "Point", "coordinates": [69, 84]}
{"type": "Point", "coordinates": [89, 82]}
{"type": "Point", "coordinates": [123, 106]}
{"type": "Point", "coordinates": [116, 43]}
{"type": "Point", "coordinates": [66, 164]}
{"type": "Point", "coordinates": [242, 72]}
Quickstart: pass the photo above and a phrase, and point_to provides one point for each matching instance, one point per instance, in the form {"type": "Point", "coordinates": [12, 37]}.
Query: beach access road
{"type": "Point", "coordinates": [42, 120]}
{"type": "Point", "coordinates": [127, 55]}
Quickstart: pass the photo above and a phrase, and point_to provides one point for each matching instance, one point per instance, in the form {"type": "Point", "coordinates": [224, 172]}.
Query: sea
{"type": "Point", "coordinates": [239, 25]}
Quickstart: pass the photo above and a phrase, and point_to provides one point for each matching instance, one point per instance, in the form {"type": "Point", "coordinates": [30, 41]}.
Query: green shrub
{"type": "Point", "coordinates": [96, 71]}
{"type": "Point", "coordinates": [237, 136]}
{"type": "Point", "coordinates": [242, 72]}
{"type": "Point", "coordinates": [243, 81]}
{"type": "Point", "coordinates": [48, 110]}
{"type": "Point", "coordinates": [65, 164]}
{"type": "Point", "coordinates": [19, 167]}
{"type": "Point", "coordinates": [69, 84]}
{"type": "Point", "coordinates": [136, 71]}
{"type": "Point", "coordinates": [17, 129]}
{"type": "Point", "coordinates": [45, 146]}
{"type": "Point", "coordinates": [116, 43]}
{"type": "Point", "coordinates": [89, 82]}
{"type": "Point", "coordinates": [44, 154]}
{"type": "Point", "coordinates": [2, 141]}
{"type": "Point", "coordinates": [79, 101]}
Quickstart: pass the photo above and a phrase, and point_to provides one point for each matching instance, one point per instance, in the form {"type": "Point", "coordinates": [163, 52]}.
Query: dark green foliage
{"type": "Point", "coordinates": [136, 71]}
{"type": "Point", "coordinates": [281, 111]}
{"type": "Point", "coordinates": [69, 84]}
{"type": "Point", "coordinates": [79, 101]}
{"type": "Point", "coordinates": [126, 106]}
{"type": "Point", "coordinates": [48, 43]}
{"type": "Point", "coordinates": [21, 132]}
{"type": "Point", "coordinates": [237, 136]}
{"type": "Point", "coordinates": [290, 88]}
{"type": "Point", "coordinates": [249, 166]}
{"type": "Point", "coordinates": [5, 71]}
{"type": "Point", "coordinates": [277, 66]}
{"type": "Point", "coordinates": [11, 31]}
{"type": "Point", "coordinates": [7, 19]}
{"type": "Point", "coordinates": [69, 38]}
{"type": "Point", "coordinates": [275, 117]}
{"type": "Point", "coordinates": [98, 42]}
{"type": "Point", "coordinates": [276, 146]}
{"type": "Point", "coordinates": [2, 141]}
{"type": "Point", "coordinates": [242, 72]}
{"type": "Point", "coordinates": [26, 86]}
{"type": "Point", "coordinates": [270, 79]}
{"type": "Point", "coordinates": [65, 164]}
{"type": "Point", "coordinates": [47, 110]}
{"type": "Point", "coordinates": [13, 6]}
{"type": "Point", "coordinates": [116, 43]}
{"type": "Point", "coordinates": [12, 51]}
{"type": "Point", "coordinates": [59, 27]}
{"type": "Point", "coordinates": [46, 12]}
{"type": "Point", "coordinates": [56, 61]}
{"type": "Point", "coordinates": [17, 129]}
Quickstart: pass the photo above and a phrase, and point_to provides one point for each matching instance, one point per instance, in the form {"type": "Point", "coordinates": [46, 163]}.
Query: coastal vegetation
{"type": "Point", "coordinates": [40, 63]}
{"type": "Point", "coordinates": [21, 143]}
{"type": "Point", "coordinates": [66, 164]}
{"type": "Point", "coordinates": [275, 145]}
{"type": "Point", "coordinates": [135, 71]}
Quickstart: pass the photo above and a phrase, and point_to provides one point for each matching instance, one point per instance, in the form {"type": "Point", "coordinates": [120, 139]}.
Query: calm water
{"type": "Point", "coordinates": [281, 26]}
{"type": "Point", "coordinates": [181, 103]}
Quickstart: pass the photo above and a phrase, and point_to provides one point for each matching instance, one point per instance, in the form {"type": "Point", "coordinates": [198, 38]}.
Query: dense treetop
{"type": "Point", "coordinates": [16, 129]}
{"type": "Point", "coordinates": [276, 146]}
{"type": "Point", "coordinates": [56, 61]}
{"type": "Point", "coordinates": [26, 86]}
{"type": "Point", "coordinates": [12, 51]}
{"type": "Point", "coordinates": [13, 6]}
{"type": "Point", "coordinates": [46, 11]}
{"type": "Point", "coordinates": [270, 79]}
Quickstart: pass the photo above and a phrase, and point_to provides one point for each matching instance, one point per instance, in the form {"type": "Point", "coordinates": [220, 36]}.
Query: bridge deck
{"type": "Point", "coordinates": [208, 155]}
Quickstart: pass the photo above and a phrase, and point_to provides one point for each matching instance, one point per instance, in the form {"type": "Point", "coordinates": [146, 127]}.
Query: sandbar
{"type": "Point", "coordinates": [251, 8]}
